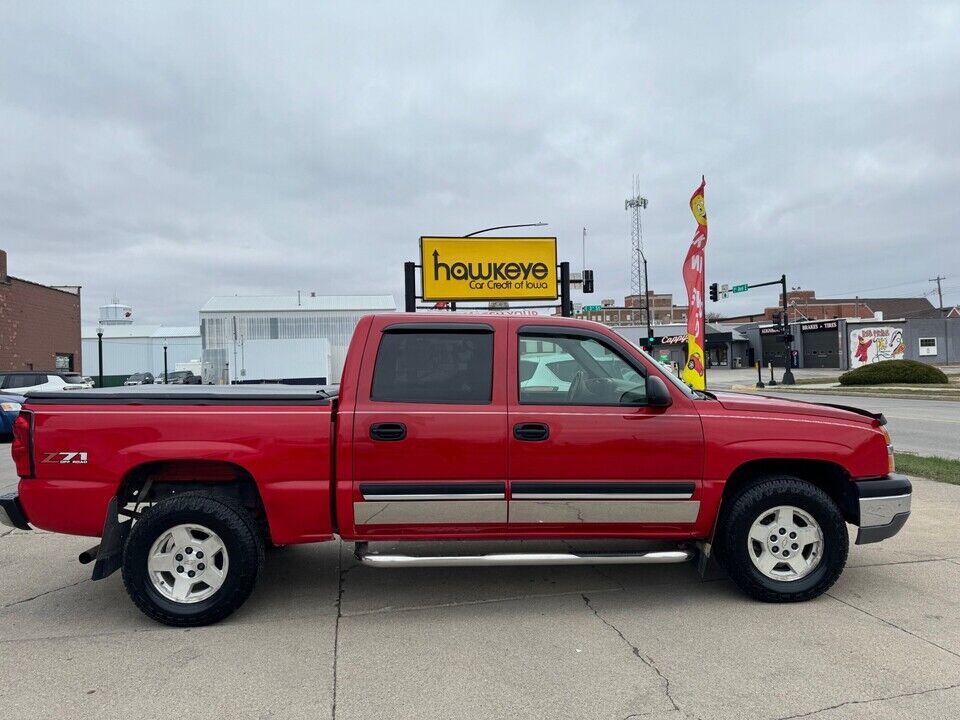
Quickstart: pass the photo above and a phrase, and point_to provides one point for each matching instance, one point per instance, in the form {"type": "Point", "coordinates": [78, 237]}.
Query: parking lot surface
{"type": "Point", "coordinates": [325, 638]}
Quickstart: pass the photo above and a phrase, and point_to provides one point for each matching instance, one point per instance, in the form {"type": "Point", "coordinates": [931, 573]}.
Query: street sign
{"type": "Point", "coordinates": [488, 268]}
{"type": "Point", "coordinates": [740, 288]}
{"type": "Point", "coordinates": [592, 308]}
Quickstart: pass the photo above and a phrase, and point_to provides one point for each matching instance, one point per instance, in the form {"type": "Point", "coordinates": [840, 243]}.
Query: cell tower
{"type": "Point", "coordinates": [636, 203]}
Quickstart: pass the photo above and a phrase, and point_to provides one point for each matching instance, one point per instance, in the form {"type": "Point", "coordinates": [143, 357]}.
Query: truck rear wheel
{"type": "Point", "coordinates": [192, 559]}
{"type": "Point", "coordinates": [783, 540]}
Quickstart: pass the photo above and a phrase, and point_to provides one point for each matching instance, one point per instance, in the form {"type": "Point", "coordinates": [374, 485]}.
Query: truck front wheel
{"type": "Point", "coordinates": [783, 540]}
{"type": "Point", "coordinates": [192, 559]}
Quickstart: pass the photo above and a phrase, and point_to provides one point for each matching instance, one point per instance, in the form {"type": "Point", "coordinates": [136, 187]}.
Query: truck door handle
{"type": "Point", "coordinates": [388, 431]}
{"type": "Point", "coordinates": [531, 432]}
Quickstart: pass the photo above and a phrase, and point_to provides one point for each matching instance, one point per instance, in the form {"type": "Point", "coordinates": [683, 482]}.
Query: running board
{"type": "Point", "coordinates": [501, 559]}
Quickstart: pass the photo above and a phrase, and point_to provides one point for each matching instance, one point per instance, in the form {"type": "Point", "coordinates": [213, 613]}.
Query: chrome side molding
{"type": "Point", "coordinates": [500, 559]}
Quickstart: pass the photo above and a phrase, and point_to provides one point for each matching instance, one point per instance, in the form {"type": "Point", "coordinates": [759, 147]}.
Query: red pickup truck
{"type": "Point", "coordinates": [453, 427]}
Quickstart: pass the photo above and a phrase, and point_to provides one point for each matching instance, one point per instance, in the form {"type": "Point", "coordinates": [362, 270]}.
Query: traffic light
{"type": "Point", "coordinates": [714, 292]}
{"type": "Point", "coordinates": [651, 341]}
{"type": "Point", "coordinates": [588, 281]}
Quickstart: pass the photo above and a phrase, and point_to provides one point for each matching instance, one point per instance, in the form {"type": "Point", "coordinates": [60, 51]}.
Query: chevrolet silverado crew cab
{"type": "Point", "coordinates": [449, 427]}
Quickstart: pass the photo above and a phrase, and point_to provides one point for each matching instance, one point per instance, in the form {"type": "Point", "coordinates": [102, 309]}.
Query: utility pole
{"type": "Point", "coordinates": [937, 280]}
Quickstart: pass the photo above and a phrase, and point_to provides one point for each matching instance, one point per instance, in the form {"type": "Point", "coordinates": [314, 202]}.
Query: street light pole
{"type": "Point", "coordinates": [99, 356]}
{"type": "Point", "coordinates": [505, 227]}
{"type": "Point", "coordinates": [166, 379]}
{"type": "Point", "coordinates": [646, 301]}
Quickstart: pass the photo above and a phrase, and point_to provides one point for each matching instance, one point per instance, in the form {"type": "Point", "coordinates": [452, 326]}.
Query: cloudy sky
{"type": "Point", "coordinates": [169, 153]}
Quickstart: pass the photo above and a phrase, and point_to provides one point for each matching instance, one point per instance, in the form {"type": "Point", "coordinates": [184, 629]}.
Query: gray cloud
{"type": "Point", "coordinates": [168, 153]}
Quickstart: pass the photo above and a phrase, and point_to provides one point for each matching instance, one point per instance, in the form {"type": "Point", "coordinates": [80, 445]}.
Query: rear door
{"type": "Point", "coordinates": [429, 431]}
{"type": "Point", "coordinates": [587, 454]}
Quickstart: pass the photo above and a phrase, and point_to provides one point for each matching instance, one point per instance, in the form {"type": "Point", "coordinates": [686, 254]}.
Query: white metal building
{"type": "Point", "coordinates": [129, 347]}
{"type": "Point", "coordinates": [290, 337]}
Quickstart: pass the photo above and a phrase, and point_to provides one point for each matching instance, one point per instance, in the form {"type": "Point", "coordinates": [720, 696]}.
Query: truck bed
{"type": "Point", "coordinates": [89, 443]}
{"type": "Point", "coordinates": [191, 394]}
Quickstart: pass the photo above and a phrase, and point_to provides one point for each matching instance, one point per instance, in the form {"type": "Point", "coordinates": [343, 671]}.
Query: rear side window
{"type": "Point", "coordinates": [434, 367]}
{"type": "Point", "coordinates": [20, 381]}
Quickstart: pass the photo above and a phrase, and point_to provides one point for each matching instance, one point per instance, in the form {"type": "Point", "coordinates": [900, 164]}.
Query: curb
{"type": "Point", "coordinates": [866, 392]}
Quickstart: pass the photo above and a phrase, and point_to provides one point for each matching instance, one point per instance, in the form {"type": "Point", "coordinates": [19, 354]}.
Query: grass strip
{"type": "Point", "coordinates": [933, 468]}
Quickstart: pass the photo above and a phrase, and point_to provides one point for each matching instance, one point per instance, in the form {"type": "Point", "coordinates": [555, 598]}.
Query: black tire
{"type": "Point", "coordinates": [236, 528]}
{"type": "Point", "coordinates": [746, 507]}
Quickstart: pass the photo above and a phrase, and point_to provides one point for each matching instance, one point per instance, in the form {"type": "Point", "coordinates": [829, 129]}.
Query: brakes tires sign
{"type": "Point", "coordinates": [488, 268]}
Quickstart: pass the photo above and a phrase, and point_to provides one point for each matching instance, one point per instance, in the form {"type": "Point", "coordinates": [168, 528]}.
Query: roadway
{"type": "Point", "coordinates": [923, 426]}
{"type": "Point", "coordinates": [926, 427]}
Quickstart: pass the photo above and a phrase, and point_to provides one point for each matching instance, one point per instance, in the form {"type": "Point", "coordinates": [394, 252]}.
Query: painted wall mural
{"type": "Point", "coordinates": [873, 344]}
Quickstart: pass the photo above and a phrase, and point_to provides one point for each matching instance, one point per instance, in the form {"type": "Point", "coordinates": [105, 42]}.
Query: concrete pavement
{"type": "Point", "coordinates": [325, 638]}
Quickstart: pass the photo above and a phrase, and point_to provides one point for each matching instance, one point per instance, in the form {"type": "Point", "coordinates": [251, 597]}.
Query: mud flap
{"type": "Point", "coordinates": [110, 555]}
{"type": "Point", "coordinates": [707, 565]}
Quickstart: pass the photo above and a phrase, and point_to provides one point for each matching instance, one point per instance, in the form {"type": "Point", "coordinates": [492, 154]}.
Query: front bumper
{"type": "Point", "coordinates": [11, 512]}
{"type": "Point", "coordinates": [884, 507]}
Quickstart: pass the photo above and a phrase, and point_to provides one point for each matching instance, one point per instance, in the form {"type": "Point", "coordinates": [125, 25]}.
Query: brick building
{"type": "Point", "coordinates": [804, 305]}
{"type": "Point", "coordinates": [662, 311]}
{"type": "Point", "coordinates": [39, 325]}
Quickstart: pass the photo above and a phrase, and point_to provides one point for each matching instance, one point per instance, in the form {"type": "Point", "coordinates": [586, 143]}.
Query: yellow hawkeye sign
{"type": "Point", "coordinates": [488, 268]}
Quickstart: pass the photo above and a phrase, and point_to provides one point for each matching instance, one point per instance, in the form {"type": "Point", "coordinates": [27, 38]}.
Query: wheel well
{"type": "Point", "coordinates": [154, 481]}
{"type": "Point", "coordinates": [833, 479]}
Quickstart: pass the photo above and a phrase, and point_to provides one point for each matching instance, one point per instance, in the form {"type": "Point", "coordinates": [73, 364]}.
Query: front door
{"type": "Point", "coordinates": [430, 432]}
{"type": "Point", "coordinates": [587, 455]}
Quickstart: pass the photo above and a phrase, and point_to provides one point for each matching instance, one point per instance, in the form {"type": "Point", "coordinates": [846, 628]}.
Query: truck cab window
{"type": "Point", "coordinates": [451, 368]}
{"type": "Point", "coordinates": [576, 371]}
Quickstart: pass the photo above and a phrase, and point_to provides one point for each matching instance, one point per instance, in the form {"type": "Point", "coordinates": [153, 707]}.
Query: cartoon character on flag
{"type": "Point", "coordinates": [694, 372]}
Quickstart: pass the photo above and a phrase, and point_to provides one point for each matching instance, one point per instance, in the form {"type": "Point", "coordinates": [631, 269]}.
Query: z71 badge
{"type": "Point", "coordinates": [66, 458]}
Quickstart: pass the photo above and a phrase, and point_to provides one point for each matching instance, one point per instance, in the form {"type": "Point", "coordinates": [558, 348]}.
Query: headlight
{"type": "Point", "coordinates": [10, 407]}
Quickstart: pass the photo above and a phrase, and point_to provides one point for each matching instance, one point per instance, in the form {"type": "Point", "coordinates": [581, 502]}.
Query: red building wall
{"type": "Point", "coordinates": [36, 323]}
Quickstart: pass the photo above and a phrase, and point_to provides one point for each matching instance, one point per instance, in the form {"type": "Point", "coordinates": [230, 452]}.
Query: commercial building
{"type": "Point", "coordinates": [293, 338]}
{"type": "Point", "coordinates": [725, 346]}
{"type": "Point", "coordinates": [804, 305]}
{"type": "Point", "coordinates": [847, 343]}
{"type": "Point", "coordinates": [39, 324]}
{"type": "Point", "coordinates": [130, 347]}
{"type": "Point", "coordinates": [633, 311]}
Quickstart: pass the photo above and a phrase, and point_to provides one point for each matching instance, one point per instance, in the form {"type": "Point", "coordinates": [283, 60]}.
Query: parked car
{"type": "Point", "coordinates": [9, 409]}
{"type": "Point", "coordinates": [89, 381]}
{"type": "Point", "coordinates": [20, 382]}
{"type": "Point", "coordinates": [141, 378]}
{"type": "Point", "coordinates": [554, 372]}
{"type": "Point", "coordinates": [179, 377]}
{"type": "Point", "coordinates": [432, 436]}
